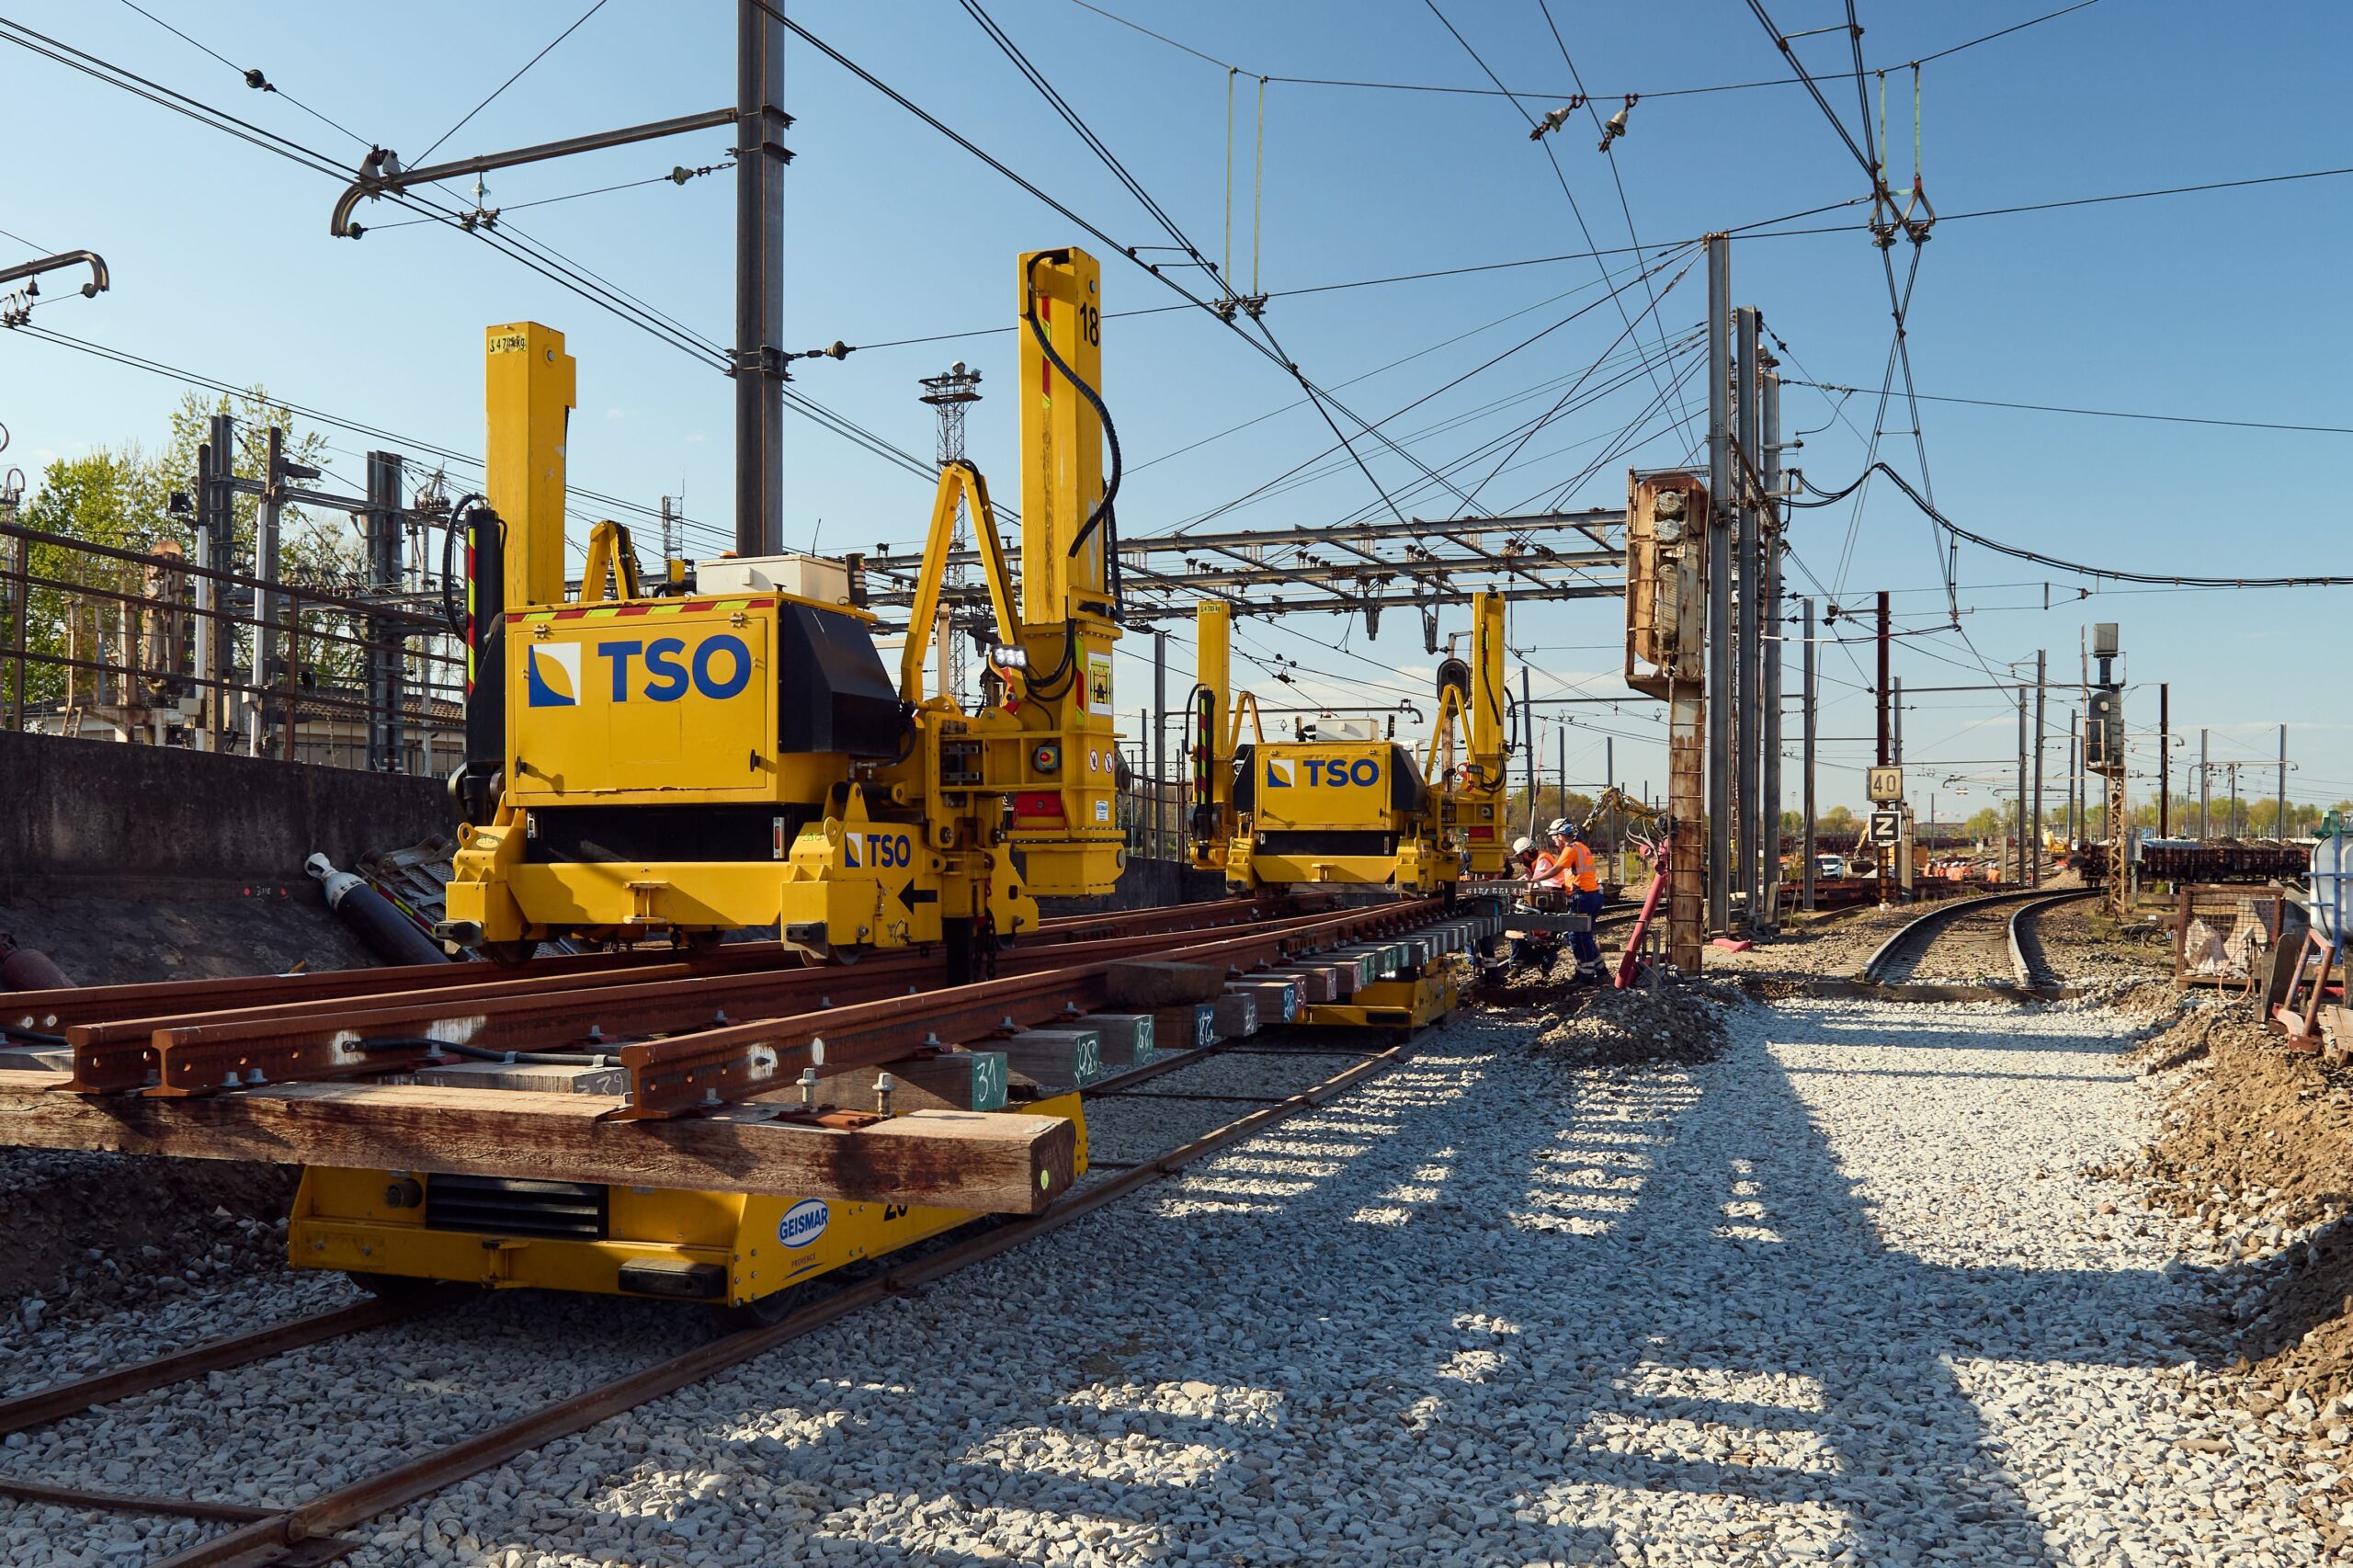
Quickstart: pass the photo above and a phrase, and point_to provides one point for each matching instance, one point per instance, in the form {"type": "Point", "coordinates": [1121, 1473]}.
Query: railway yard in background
{"type": "Point", "coordinates": [1067, 1018]}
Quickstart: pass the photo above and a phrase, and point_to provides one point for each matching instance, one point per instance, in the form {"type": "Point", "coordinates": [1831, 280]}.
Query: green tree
{"type": "Point", "coordinates": [117, 498]}
{"type": "Point", "coordinates": [120, 497]}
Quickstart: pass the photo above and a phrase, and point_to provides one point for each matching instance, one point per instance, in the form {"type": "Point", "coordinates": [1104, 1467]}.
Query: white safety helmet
{"type": "Point", "coordinates": [1561, 827]}
{"type": "Point", "coordinates": [1522, 845]}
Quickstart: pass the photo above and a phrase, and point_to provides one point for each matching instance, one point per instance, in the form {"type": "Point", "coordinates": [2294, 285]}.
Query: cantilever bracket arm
{"type": "Point", "coordinates": [98, 284]}
{"type": "Point", "coordinates": [958, 478]}
{"type": "Point", "coordinates": [372, 181]}
{"type": "Point", "coordinates": [1246, 701]}
{"type": "Point", "coordinates": [1449, 713]}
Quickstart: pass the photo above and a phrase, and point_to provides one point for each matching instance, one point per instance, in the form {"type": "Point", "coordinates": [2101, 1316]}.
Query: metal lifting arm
{"type": "Point", "coordinates": [958, 478]}
{"type": "Point", "coordinates": [612, 560]}
{"type": "Point", "coordinates": [1449, 713]}
{"type": "Point", "coordinates": [1483, 709]}
{"type": "Point", "coordinates": [1247, 701]}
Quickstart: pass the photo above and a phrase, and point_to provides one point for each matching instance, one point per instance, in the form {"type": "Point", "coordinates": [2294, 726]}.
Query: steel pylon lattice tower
{"type": "Point", "coordinates": [950, 393]}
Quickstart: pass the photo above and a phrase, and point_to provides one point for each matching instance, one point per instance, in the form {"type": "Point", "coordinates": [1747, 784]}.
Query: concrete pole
{"type": "Point", "coordinates": [2040, 671]}
{"type": "Point", "coordinates": [1616, 867]}
{"type": "Point", "coordinates": [1770, 647]}
{"type": "Point", "coordinates": [1806, 692]}
{"type": "Point", "coordinates": [2022, 797]}
{"type": "Point", "coordinates": [2075, 774]}
{"type": "Point", "coordinates": [2205, 787]}
{"type": "Point", "coordinates": [759, 372]}
{"type": "Point", "coordinates": [1748, 675]}
{"type": "Point", "coordinates": [1895, 721]}
{"type": "Point", "coordinates": [1880, 691]}
{"type": "Point", "coordinates": [1160, 744]}
{"type": "Point", "coordinates": [1718, 855]}
{"type": "Point", "coordinates": [207, 595]}
{"type": "Point", "coordinates": [265, 602]}
{"type": "Point", "coordinates": [2279, 822]}
{"type": "Point", "coordinates": [2165, 759]}
{"type": "Point", "coordinates": [1527, 743]}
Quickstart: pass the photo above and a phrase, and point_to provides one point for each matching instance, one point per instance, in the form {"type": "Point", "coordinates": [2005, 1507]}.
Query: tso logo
{"type": "Point", "coordinates": [662, 670]}
{"type": "Point", "coordinates": [551, 675]}
{"type": "Point", "coordinates": [1364, 770]}
{"type": "Point", "coordinates": [803, 1223]}
{"type": "Point", "coordinates": [880, 851]}
{"type": "Point", "coordinates": [720, 667]}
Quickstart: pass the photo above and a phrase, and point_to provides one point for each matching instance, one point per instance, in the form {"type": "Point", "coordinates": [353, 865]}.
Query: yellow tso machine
{"type": "Point", "coordinates": [738, 754]}
{"type": "Point", "coordinates": [735, 757]}
{"type": "Point", "coordinates": [1350, 807]}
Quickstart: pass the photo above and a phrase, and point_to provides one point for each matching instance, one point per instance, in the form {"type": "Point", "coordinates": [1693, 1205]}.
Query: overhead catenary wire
{"type": "Point", "coordinates": [2100, 412]}
{"type": "Point", "coordinates": [1500, 91]}
{"type": "Point", "coordinates": [2170, 579]}
{"type": "Point", "coordinates": [252, 76]}
{"type": "Point", "coordinates": [1269, 348]}
{"type": "Point", "coordinates": [420, 159]}
{"type": "Point", "coordinates": [1551, 157]}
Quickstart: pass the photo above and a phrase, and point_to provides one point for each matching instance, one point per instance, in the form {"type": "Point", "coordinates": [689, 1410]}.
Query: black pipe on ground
{"type": "Point", "coordinates": [389, 934]}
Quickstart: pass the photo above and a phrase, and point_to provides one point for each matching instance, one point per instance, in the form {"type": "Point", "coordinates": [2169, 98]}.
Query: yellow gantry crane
{"type": "Point", "coordinates": [1350, 806]}
{"type": "Point", "coordinates": [687, 764]}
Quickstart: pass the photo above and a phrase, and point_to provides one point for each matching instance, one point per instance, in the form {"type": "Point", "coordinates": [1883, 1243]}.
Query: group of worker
{"type": "Point", "coordinates": [1565, 866]}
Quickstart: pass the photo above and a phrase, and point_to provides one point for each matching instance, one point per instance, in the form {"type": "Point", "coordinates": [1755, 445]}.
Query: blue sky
{"type": "Point", "coordinates": [2219, 305]}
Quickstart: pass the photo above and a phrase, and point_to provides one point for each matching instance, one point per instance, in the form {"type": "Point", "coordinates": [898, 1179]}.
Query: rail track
{"type": "Point", "coordinates": [1965, 942]}
{"type": "Point", "coordinates": [312, 1533]}
{"type": "Point", "coordinates": [563, 1000]}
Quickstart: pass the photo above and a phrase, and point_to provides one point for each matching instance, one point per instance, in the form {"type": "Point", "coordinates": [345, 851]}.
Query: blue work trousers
{"type": "Point", "coordinates": [1587, 904]}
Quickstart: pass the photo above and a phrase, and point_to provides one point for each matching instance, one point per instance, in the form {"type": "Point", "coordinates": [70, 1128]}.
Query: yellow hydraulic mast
{"type": "Point", "coordinates": [1212, 755]}
{"type": "Point", "coordinates": [1482, 824]}
{"type": "Point", "coordinates": [529, 393]}
{"type": "Point", "coordinates": [1071, 837]}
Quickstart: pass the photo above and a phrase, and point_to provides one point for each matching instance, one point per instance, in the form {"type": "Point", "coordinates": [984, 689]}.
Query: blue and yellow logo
{"type": "Point", "coordinates": [551, 675]}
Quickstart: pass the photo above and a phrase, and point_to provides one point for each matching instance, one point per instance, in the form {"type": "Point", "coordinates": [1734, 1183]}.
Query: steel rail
{"type": "Point", "coordinates": [60, 1400]}
{"type": "Point", "coordinates": [710, 1067]}
{"type": "Point", "coordinates": [1924, 929]}
{"type": "Point", "coordinates": [52, 1010]}
{"type": "Point", "coordinates": [2018, 923]}
{"type": "Point", "coordinates": [195, 1052]}
{"type": "Point", "coordinates": [131, 1503]}
{"type": "Point", "coordinates": [317, 1524]}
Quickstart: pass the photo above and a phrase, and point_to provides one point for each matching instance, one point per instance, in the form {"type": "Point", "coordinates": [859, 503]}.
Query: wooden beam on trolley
{"type": "Point", "coordinates": [999, 1162]}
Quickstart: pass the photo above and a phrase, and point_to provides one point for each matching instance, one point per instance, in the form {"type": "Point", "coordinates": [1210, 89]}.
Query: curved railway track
{"type": "Point", "coordinates": [1969, 941]}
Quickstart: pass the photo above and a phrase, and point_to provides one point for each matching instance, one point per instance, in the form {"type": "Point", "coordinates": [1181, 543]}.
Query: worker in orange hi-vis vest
{"type": "Point", "coordinates": [1580, 875]}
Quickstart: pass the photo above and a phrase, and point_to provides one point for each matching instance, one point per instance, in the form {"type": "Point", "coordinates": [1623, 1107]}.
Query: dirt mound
{"type": "Point", "coordinates": [1678, 1023]}
{"type": "Point", "coordinates": [87, 1231]}
{"type": "Point", "coordinates": [2258, 1147]}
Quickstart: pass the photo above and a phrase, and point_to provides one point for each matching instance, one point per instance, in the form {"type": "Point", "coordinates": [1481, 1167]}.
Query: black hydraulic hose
{"type": "Point", "coordinates": [451, 611]}
{"type": "Point", "coordinates": [483, 1053]}
{"type": "Point", "coordinates": [1102, 515]}
{"type": "Point", "coordinates": [33, 1036]}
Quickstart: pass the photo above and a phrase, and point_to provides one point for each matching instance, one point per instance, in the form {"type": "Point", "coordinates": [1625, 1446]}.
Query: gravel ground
{"type": "Point", "coordinates": [1842, 1294]}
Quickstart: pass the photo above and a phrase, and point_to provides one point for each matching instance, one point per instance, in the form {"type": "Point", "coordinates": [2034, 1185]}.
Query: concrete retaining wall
{"type": "Point", "coordinates": [101, 810]}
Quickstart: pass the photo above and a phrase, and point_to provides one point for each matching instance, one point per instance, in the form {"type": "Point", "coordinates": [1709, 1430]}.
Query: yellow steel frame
{"type": "Point", "coordinates": [342, 1220]}
{"type": "Point", "coordinates": [1029, 807]}
{"type": "Point", "coordinates": [1402, 1003]}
